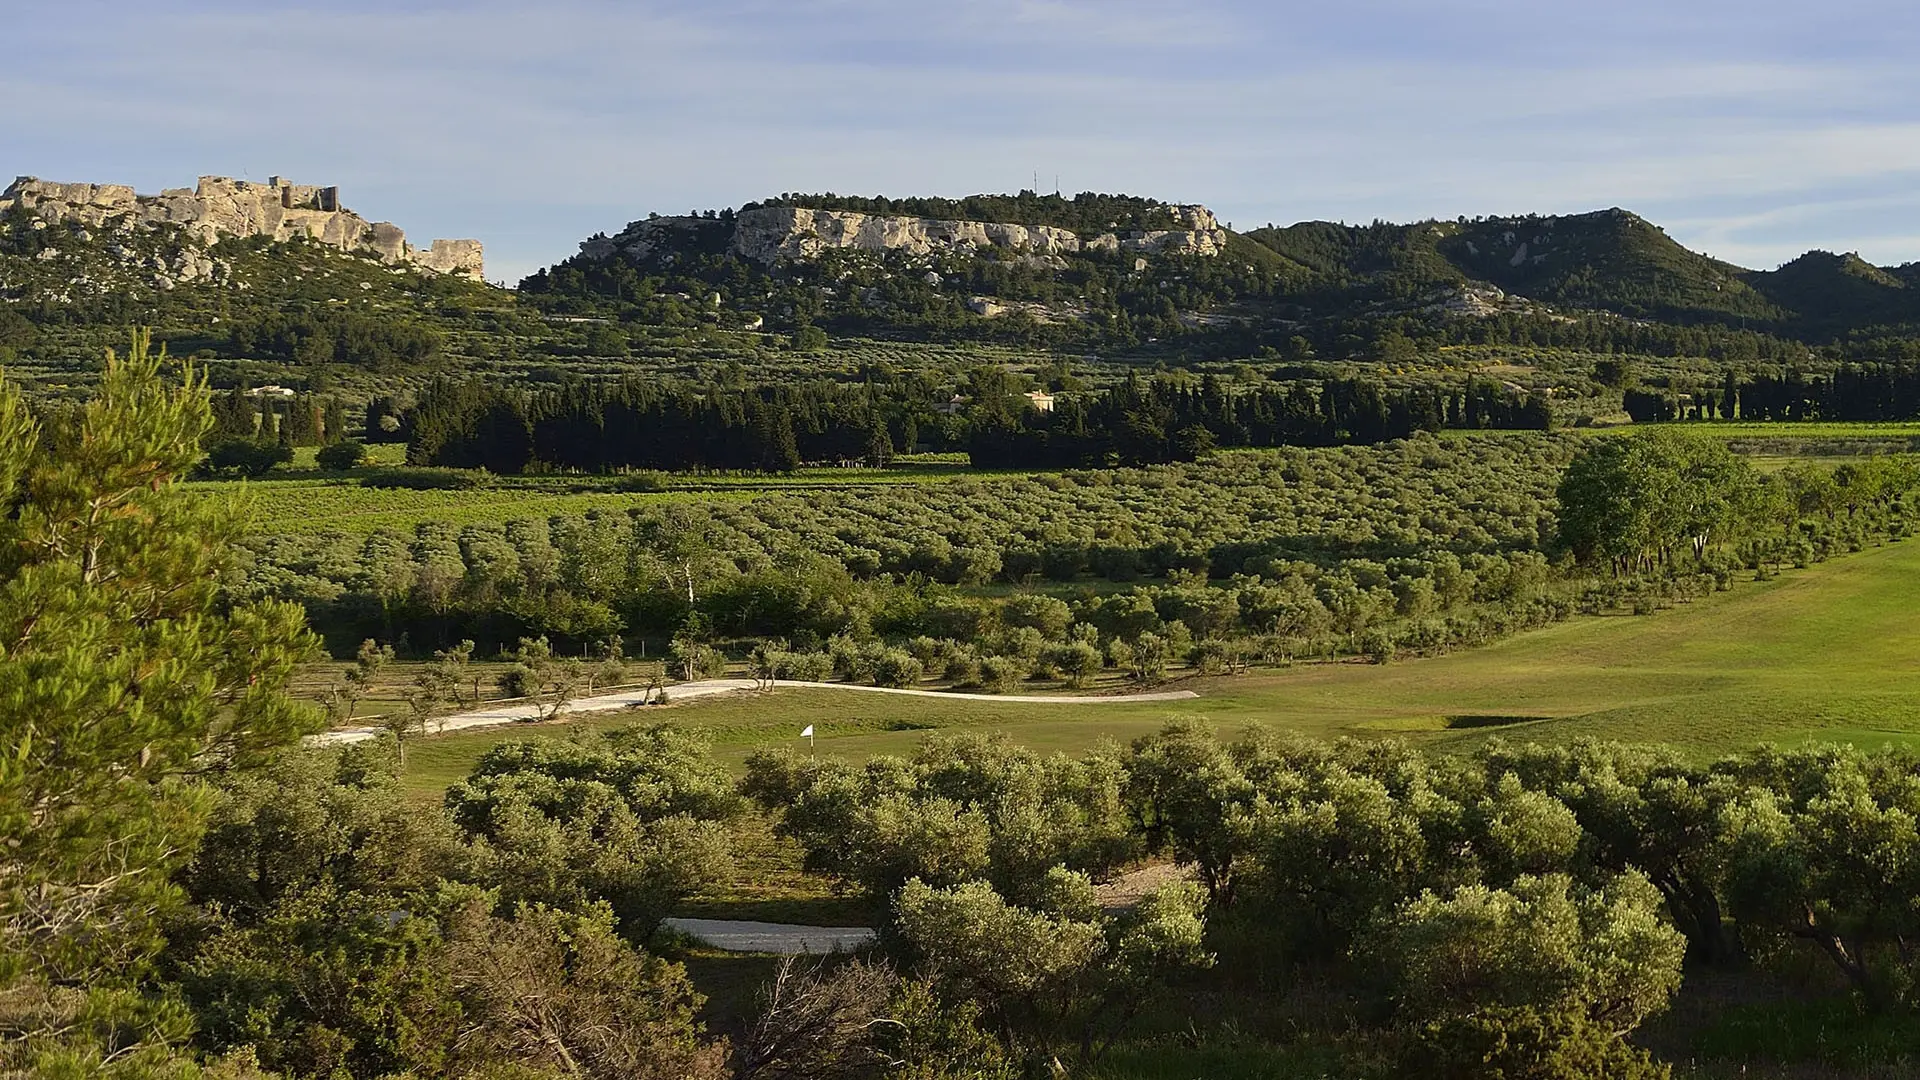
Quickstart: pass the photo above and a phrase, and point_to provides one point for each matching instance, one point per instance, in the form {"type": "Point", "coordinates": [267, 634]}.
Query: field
{"type": "Point", "coordinates": [1829, 653]}
{"type": "Point", "coordinates": [1820, 429]}
{"type": "Point", "coordinates": [302, 506]}
{"type": "Point", "coordinates": [302, 500]}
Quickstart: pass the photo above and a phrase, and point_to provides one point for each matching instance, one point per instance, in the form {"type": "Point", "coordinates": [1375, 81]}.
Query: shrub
{"type": "Point", "coordinates": [1522, 1044]}
{"type": "Point", "coordinates": [238, 458]}
{"type": "Point", "coordinates": [692, 660]}
{"type": "Point", "coordinates": [1147, 658]}
{"type": "Point", "coordinates": [962, 668]}
{"type": "Point", "coordinates": [427, 479]}
{"type": "Point", "coordinates": [999, 674]}
{"type": "Point", "coordinates": [1609, 955]}
{"type": "Point", "coordinates": [341, 456]}
{"type": "Point", "coordinates": [896, 667]}
{"type": "Point", "coordinates": [649, 480]}
{"type": "Point", "coordinates": [1377, 646]}
{"type": "Point", "coordinates": [850, 661]}
{"type": "Point", "coordinates": [1048, 614]}
{"type": "Point", "coordinates": [803, 666]}
{"type": "Point", "coordinates": [1076, 663]}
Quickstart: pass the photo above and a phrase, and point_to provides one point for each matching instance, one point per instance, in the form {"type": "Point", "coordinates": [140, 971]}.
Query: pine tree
{"type": "Point", "coordinates": [123, 675]}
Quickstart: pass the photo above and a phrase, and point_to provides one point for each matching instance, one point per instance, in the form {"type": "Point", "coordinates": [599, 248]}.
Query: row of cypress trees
{"type": "Point", "coordinates": [638, 424]}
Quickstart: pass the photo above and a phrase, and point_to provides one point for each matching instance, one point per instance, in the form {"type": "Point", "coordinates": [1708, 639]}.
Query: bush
{"type": "Point", "coordinates": [1523, 1044]}
{"type": "Point", "coordinates": [1545, 943]}
{"type": "Point", "coordinates": [236, 458]}
{"type": "Point", "coordinates": [341, 456]}
{"type": "Point", "coordinates": [691, 660]}
{"type": "Point", "coordinates": [803, 666]}
{"type": "Point", "coordinates": [1049, 615]}
{"type": "Point", "coordinates": [1076, 663]}
{"type": "Point", "coordinates": [999, 674]}
{"type": "Point", "coordinates": [850, 661]}
{"type": "Point", "coordinates": [896, 667]}
{"type": "Point", "coordinates": [427, 479]}
{"type": "Point", "coordinates": [961, 668]}
{"type": "Point", "coordinates": [645, 481]}
{"type": "Point", "coordinates": [1377, 646]}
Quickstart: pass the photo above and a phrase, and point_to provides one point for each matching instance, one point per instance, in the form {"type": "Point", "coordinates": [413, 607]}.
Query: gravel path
{"type": "Point", "coordinates": [509, 714]}
{"type": "Point", "coordinates": [786, 939]}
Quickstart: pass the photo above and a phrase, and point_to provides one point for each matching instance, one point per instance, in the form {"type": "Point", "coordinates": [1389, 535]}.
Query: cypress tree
{"type": "Point", "coordinates": [333, 428]}
{"type": "Point", "coordinates": [879, 443]}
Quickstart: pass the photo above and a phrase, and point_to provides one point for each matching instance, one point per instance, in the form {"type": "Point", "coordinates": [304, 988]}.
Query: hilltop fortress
{"type": "Point", "coordinates": [220, 207]}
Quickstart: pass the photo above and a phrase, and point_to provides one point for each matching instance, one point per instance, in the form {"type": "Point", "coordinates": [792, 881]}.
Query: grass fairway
{"type": "Point", "coordinates": [1829, 653]}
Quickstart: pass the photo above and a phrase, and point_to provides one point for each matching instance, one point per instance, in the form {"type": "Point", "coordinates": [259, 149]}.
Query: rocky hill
{"type": "Point", "coordinates": [231, 264]}
{"type": "Point", "coordinates": [219, 208]}
{"type": "Point", "coordinates": [771, 234]}
{"type": "Point", "coordinates": [1115, 272]}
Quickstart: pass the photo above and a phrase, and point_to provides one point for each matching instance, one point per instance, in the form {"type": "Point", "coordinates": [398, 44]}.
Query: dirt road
{"type": "Point", "coordinates": [627, 699]}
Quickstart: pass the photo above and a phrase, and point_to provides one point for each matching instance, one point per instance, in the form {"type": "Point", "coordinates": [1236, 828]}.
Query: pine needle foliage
{"type": "Point", "coordinates": [123, 675]}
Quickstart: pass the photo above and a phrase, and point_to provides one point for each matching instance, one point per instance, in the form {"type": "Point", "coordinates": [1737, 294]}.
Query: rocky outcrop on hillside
{"type": "Point", "coordinates": [772, 234]}
{"type": "Point", "coordinates": [220, 207]}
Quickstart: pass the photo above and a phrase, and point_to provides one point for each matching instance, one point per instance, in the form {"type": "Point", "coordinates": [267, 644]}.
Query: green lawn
{"type": "Point", "coordinates": [1812, 429]}
{"type": "Point", "coordinates": [1829, 653]}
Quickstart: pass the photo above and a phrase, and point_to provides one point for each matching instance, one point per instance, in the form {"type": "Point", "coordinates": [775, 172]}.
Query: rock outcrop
{"type": "Point", "coordinates": [220, 207]}
{"type": "Point", "coordinates": [771, 234]}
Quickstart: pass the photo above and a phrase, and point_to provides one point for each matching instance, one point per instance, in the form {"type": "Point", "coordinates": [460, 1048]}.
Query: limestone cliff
{"type": "Point", "coordinates": [775, 233]}
{"type": "Point", "coordinates": [220, 207]}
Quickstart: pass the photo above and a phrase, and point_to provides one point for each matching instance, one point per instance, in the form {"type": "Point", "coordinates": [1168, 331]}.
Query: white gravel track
{"type": "Point", "coordinates": [628, 699]}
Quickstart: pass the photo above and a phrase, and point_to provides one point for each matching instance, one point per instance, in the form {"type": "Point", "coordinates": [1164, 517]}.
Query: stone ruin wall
{"type": "Point", "coordinates": [220, 207]}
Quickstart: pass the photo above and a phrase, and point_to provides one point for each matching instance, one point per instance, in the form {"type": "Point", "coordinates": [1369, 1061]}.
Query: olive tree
{"type": "Point", "coordinates": [1542, 943]}
{"type": "Point", "coordinates": [1643, 808]}
{"type": "Point", "coordinates": [548, 680]}
{"type": "Point", "coordinates": [1058, 974]}
{"type": "Point", "coordinates": [962, 808]}
{"type": "Point", "coordinates": [1190, 797]}
{"type": "Point", "coordinates": [1824, 847]}
{"type": "Point", "coordinates": [1540, 979]}
{"type": "Point", "coordinates": [636, 820]}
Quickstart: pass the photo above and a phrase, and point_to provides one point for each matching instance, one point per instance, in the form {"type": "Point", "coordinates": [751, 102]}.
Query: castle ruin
{"type": "Point", "coordinates": [219, 207]}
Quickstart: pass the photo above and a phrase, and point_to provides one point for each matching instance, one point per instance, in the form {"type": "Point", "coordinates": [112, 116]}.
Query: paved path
{"type": "Point", "coordinates": [733, 935]}
{"type": "Point", "coordinates": [509, 714]}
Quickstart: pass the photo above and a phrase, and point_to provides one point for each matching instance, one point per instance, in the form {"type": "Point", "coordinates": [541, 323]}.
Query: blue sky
{"type": "Point", "coordinates": [1753, 130]}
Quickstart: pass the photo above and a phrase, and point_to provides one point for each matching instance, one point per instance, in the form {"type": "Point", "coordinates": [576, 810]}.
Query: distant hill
{"type": "Point", "coordinates": [1609, 260]}
{"type": "Point", "coordinates": [1123, 272]}
{"type": "Point", "coordinates": [275, 272]}
{"type": "Point", "coordinates": [1832, 294]}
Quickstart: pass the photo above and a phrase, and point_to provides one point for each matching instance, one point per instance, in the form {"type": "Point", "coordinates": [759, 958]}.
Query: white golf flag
{"type": "Point", "coordinates": [807, 734]}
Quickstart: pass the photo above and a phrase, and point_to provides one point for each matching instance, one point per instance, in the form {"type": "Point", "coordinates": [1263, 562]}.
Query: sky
{"type": "Point", "coordinates": [1752, 130]}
